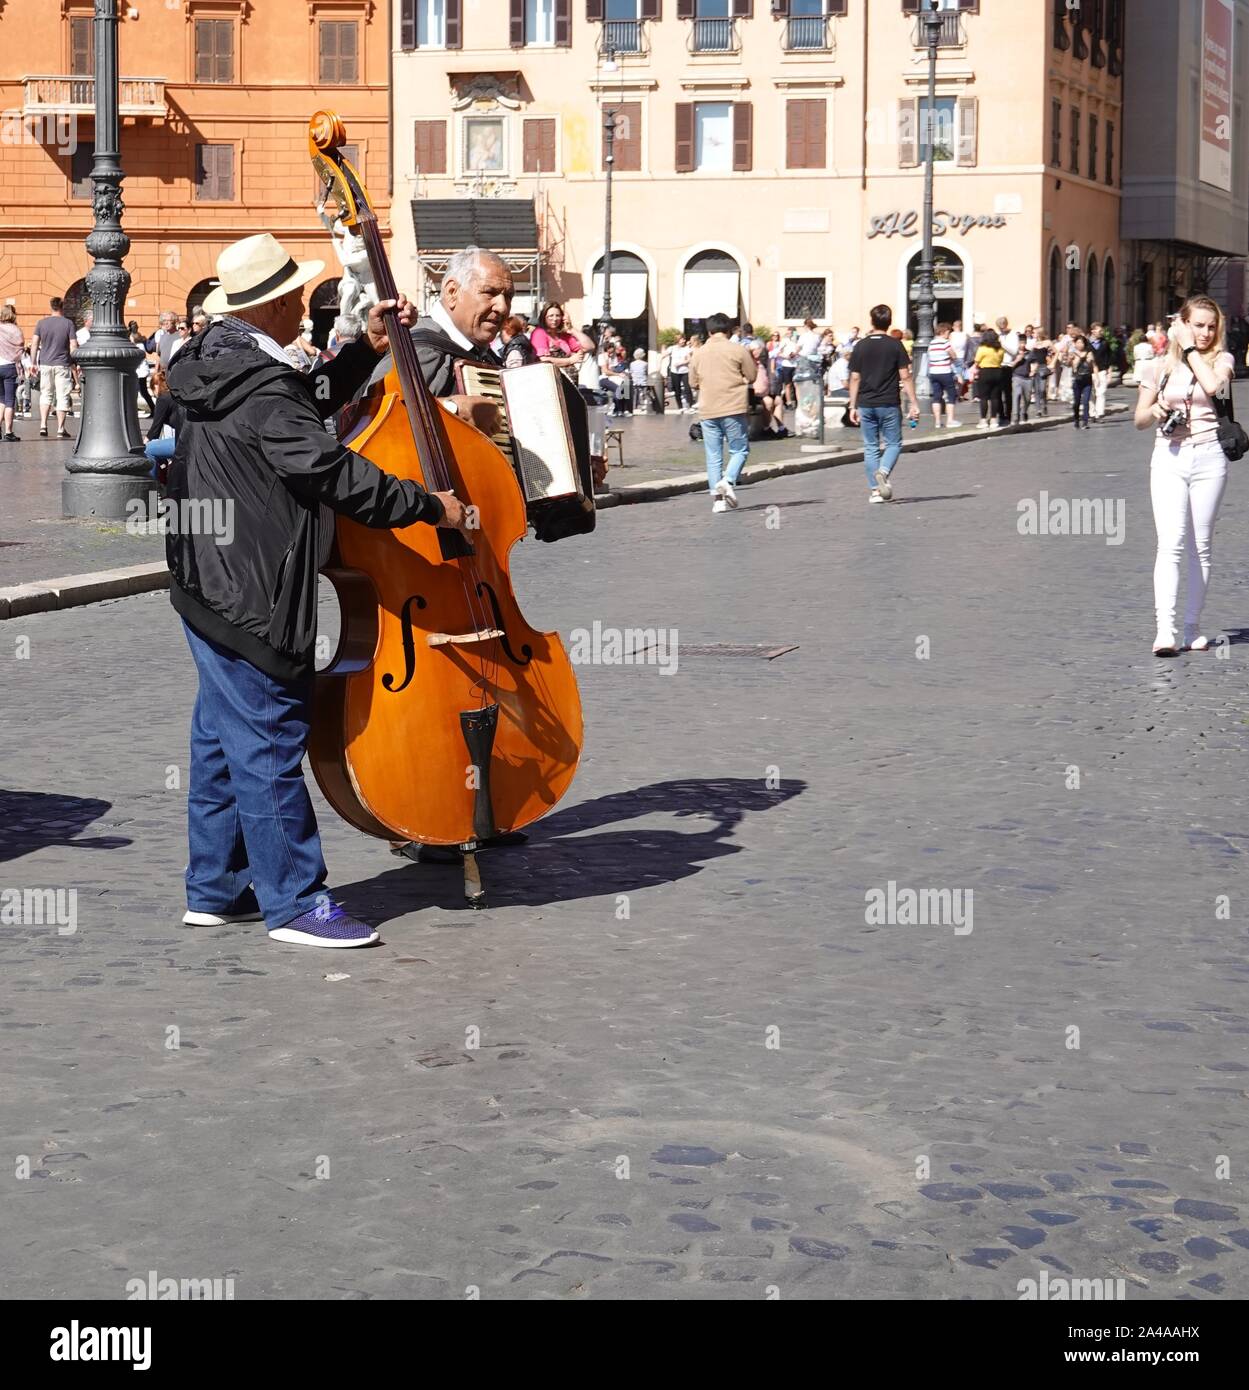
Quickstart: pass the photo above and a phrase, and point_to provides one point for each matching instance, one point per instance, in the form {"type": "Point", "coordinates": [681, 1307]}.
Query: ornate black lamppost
{"type": "Point", "coordinates": [108, 468]}
{"type": "Point", "coordinates": [931, 21]}
{"type": "Point", "coordinates": [609, 159]}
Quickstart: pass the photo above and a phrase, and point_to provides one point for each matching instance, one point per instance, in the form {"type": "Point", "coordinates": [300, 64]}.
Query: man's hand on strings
{"type": "Point", "coordinates": [376, 327]}
{"type": "Point", "coordinates": [457, 514]}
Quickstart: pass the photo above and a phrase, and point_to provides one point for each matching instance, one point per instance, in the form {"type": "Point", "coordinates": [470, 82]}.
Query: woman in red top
{"type": "Point", "coordinates": [556, 340]}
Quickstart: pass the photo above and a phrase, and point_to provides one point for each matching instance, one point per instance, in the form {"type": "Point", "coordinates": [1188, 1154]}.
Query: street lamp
{"type": "Point", "coordinates": [931, 21]}
{"type": "Point", "coordinates": [108, 468]}
{"type": "Point", "coordinates": [609, 159]}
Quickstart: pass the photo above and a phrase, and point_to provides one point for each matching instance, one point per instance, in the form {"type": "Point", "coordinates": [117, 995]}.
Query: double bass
{"type": "Point", "coordinates": [443, 716]}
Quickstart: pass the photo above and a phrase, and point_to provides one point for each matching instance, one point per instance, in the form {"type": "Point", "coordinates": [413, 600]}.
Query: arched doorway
{"type": "Point", "coordinates": [1055, 310]}
{"type": "Point", "coordinates": [630, 298]}
{"type": "Point", "coordinates": [199, 293]}
{"type": "Point", "coordinates": [1110, 294]}
{"type": "Point", "coordinates": [1092, 286]}
{"type": "Point", "coordinates": [710, 284]}
{"type": "Point", "coordinates": [323, 310]}
{"type": "Point", "coordinates": [76, 302]}
{"type": "Point", "coordinates": [947, 286]}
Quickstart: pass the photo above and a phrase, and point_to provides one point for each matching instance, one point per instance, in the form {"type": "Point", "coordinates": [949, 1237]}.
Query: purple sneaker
{"type": "Point", "coordinates": [326, 926]}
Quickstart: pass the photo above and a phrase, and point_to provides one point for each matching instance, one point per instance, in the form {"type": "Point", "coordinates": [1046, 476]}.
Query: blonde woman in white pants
{"type": "Point", "coordinates": [1188, 471]}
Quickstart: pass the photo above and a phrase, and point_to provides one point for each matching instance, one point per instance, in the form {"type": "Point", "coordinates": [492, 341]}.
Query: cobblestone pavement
{"type": "Point", "coordinates": [705, 1066]}
{"type": "Point", "coordinates": [37, 543]}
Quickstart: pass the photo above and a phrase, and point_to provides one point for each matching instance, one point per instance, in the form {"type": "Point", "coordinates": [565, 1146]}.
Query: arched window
{"type": "Point", "coordinates": [1092, 287]}
{"type": "Point", "coordinates": [199, 293]}
{"type": "Point", "coordinates": [1110, 293]}
{"type": "Point", "coordinates": [1055, 311]}
{"type": "Point", "coordinates": [77, 302]}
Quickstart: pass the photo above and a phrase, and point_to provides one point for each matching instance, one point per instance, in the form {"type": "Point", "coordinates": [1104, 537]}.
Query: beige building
{"type": "Point", "coordinates": [768, 154]}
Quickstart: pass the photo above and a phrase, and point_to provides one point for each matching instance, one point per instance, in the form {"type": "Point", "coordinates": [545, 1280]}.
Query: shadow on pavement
{"type": "Point", "coordinates": [947, 497]}
{"type": "Point", "coordinates": [562, 862]}
{"type": "Point", "coordinates": [32, 820]}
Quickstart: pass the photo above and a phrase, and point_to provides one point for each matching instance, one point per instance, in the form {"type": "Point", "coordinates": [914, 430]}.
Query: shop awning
{"type": "Point", "coordinates": [628, 295]}
{"type": "Point", "coordinates": [495, 224]}
{"type": "Point", "coordinates": [707, 292]}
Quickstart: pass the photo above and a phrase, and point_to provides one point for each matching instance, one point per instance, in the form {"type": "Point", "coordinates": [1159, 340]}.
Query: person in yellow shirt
{"type": "Point", "coordinates": [992, 380]}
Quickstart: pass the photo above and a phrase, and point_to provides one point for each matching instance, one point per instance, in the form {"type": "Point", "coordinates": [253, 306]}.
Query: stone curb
{"type": "Point", "coordinates": [832, 458]}
{"type": "Point", "coordinates": [45, 595]}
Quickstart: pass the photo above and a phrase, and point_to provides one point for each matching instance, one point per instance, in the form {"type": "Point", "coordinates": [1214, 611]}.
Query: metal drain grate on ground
{"type": "Point", "coordinates": [760, 649]}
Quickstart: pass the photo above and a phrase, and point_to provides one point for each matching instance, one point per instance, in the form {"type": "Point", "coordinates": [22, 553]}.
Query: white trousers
{"type": "Point", "coordinates": [1186, 483]}
{"type": "Point", "coordinates": [1099, 397]}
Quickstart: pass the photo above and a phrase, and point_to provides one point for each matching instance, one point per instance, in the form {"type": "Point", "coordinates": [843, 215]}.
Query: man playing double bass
{"type": "Point", "coordinates": [255, 444]}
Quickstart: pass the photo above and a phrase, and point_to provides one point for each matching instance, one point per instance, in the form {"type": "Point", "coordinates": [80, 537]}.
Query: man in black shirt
{"type": "Point", "coordinates": [879, 369]}
{"type": "Point", "coordinates": [1099, 346]}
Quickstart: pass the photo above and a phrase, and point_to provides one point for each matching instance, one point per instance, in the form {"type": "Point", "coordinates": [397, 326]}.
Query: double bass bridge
{"type": "Point", "coordinates": [463, 639]}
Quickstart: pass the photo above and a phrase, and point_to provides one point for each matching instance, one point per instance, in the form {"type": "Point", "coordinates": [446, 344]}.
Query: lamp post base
{"type": "Point", "coordinates": [106, 496]}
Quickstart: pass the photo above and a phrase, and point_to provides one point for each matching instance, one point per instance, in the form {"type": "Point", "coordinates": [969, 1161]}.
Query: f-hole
{"type": "Point", "coordinates": [409, 647]}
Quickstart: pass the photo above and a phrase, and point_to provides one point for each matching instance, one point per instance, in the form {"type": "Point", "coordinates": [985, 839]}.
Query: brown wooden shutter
{"type": "Point", "coordinates": [817, 131]}
{"type": "Point", "coordinates": [204, 50]}
{"type": "Point", "coordinates": [795, 135]}
{"type": "Point", "coordinates": [971, 6]}
{"type": "Point", "coordinates": [349, 53]}
{"type": "Point", "coordinates": [685, 137]}
{"type": "Point", "coordinates": [407, 24]}
{"type": "Point", "coordinates": [685, 9]}
{"type": "Point", "coordinates": [593, 11]}
{"type": "Point", "coordinates": [651, 9]}
{"type": "Point", "coordinates": [743, 124]}
{"type": "Point", "coordinates": [516, 23]}
{"type": "Point", "coordinates": [965, 132]}
{"type": "Point", "coordinates": [327, 35]}
{"type": "Point", "coordinates": [742, 9]}
{"type": "Point", "coordinates": [908, 133]}
{"type": "Point", "coordinates": [82, 47]}
{"type": "Point", "coordinates": [225, 172]}
{"type": "Point", "coordinates": [910, 6]}
{"type": "Point", "coordinates": [431, 147]}
{"type": "Point", "coordinates": [215, 173]}
{"type": "Point", "coordinates": [225, 52]}
{"type": "Point", "coordinates": [836, 6]}
{"type": "Point", "coordinates": [563, 23]}
{"type": "Point", "coordinates": [539, 146]}
{"type": "Point", "coordinates": [454, 25]}
{"type": "Point", "coordinates": [627, 145]}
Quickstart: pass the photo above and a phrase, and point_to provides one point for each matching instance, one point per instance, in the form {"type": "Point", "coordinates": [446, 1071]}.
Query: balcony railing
{"type": "Point", "coordinates": [75, 96]}
{"type": "Point", "coordinates": [950, 35]}
{"type": "Point", "coordinates": [713, 36]}
{"type": "Point", "coordinates": [808, 34]}
{"type": "Point", "coordinates": [622, 36]}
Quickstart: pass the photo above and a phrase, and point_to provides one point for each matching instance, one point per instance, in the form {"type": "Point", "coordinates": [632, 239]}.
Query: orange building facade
{"type": "Point", "coordinates": [215, 97]}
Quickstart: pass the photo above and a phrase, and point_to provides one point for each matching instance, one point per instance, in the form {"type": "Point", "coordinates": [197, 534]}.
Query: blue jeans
{"type": "Point", "coordinates": [880, 422]}
{"type": "Point", "coordinates": [1081, 395]}
{"type": "Point", "coordinates": [157, 449]}
{"type": "Point", "coordinates": [249, 815]}
{"type": "Point", "coordinates": [730, 430]}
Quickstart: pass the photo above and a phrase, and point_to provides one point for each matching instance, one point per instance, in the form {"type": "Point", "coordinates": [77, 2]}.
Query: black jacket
{"type": "Point", "coordinates": [254, 441]}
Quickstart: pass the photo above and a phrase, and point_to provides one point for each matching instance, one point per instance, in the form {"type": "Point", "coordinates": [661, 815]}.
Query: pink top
{"type": "Point", "coordinates": [10, 344]}
{"type": "Point", "coordinates": [541, 341]}
{"type": "Point", "coordinates": [1203, 418]}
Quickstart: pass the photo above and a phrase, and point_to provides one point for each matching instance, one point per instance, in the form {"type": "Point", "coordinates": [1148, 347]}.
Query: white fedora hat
{"type": "Point", "coordinates": [254, 271]}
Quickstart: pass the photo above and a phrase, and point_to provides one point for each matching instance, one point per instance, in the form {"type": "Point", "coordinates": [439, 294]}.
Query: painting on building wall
{"type": "Point", "coordinates": [483, 144]}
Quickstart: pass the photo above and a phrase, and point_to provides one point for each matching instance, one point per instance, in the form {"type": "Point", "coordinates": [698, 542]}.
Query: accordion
{"type": "Point", "coordinates": [536, 438]}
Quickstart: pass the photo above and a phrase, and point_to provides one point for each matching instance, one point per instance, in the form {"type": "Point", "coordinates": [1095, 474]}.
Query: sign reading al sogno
{"type": "Point", "coordinates": [907, 223]}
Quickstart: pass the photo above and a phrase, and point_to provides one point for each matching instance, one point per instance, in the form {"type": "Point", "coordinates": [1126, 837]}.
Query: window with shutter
{"type": "Point", "coordinates": [1110, 152]}
{"type": "Point", "coordinates": [81, 46]}
{"type": "Point", "coordinates": [627, 141]}
{"type": "Point", "coordinates": [743, 133]}
{"type": "Point", "coordinates": [431, 147]}
{"type": "Point", "coordinates": [1056, 132]}
{"type": "Point", "coordinates": [214, 50]}
{"type": "Point", "coordinates": [563, 23]}
{"type": "Point", "coordinates": [742, 9]}
{"type": "Point", "coordinates": [339, 53]}
{"type": "Point", "coordinates": [594, 11]}
{"type": "Point", "coordinates": [685, 9]}
{"type": "Point", "coordinates": [684, 137]}
{"type": "Point", "coordinates": [214, 173]}
{"type": "Point", "coordinates": [1093, 133]}
{"type": "Point", "coordinates": [516, 23]}
{"type": "Point", "coordinates": [651, 9]}
{"type": "Point", "coordinates": [539, 145]}
{"type": "Point", "coordinates": [908, 133]}
{"type": "Point", "coordinates": [1075, 139]}
{"type": "Point", "coordinates": [967, 122]}
{"type": "Point", "coordinates": [805, 122]}
{"type": "Point", "coordinates": [407, 24]}
{"type": "Point", "coordinates": [454, 23]}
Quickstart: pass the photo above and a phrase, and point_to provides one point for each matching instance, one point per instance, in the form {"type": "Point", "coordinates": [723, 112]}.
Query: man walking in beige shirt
{"type": "Point", "coordinates": [722, 373]}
